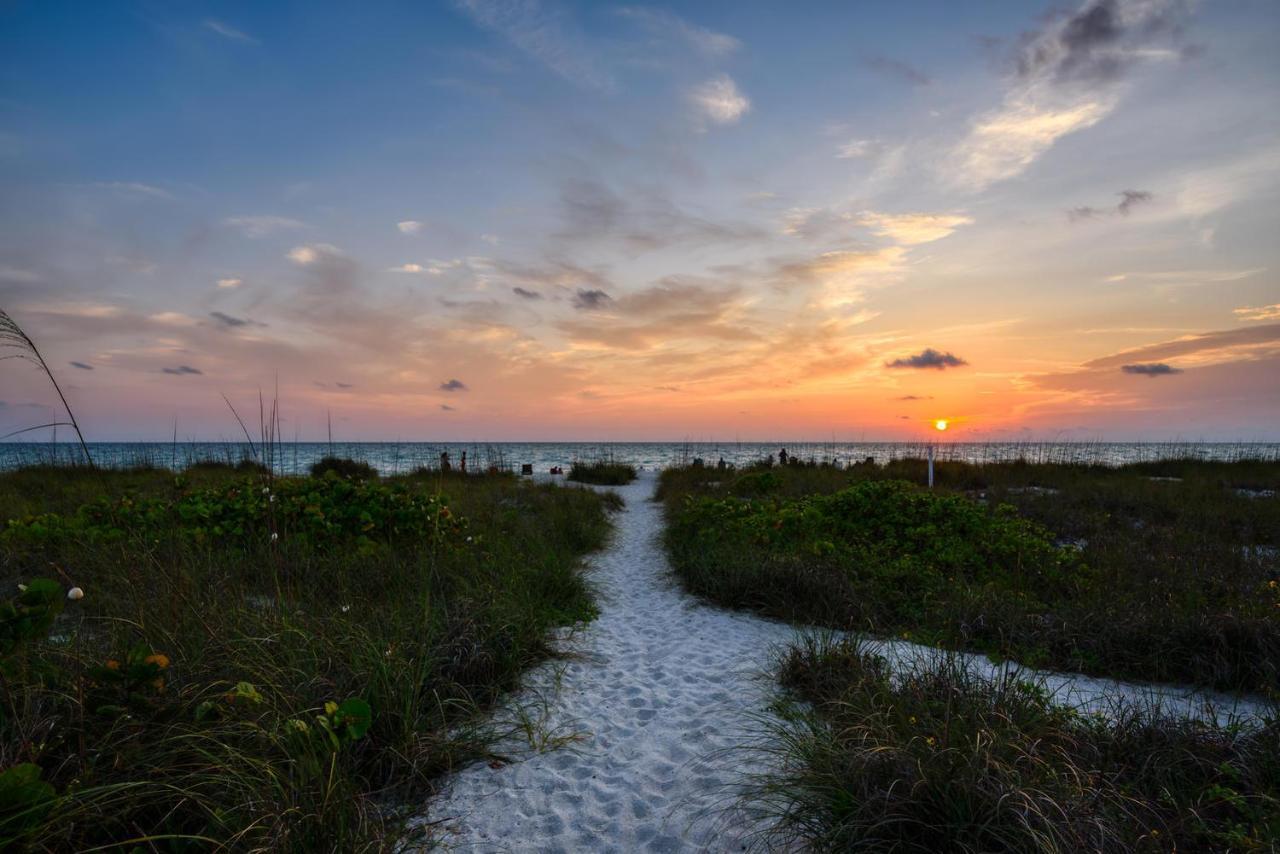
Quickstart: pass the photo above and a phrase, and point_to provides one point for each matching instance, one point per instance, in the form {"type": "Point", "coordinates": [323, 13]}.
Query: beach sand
{"type": "Point", "coordinates": [657, 694]}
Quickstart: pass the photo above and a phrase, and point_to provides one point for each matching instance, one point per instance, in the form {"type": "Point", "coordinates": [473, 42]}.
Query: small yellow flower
{"type": "Point", "coordinates": [929, 741]}
{"type": "Point", "coordinates": [158, 659]}
{"type": "Point", "coordinates": [912, 719]}
{"type": "Point", "coordinates": [330, 708]}
{"type": "Point", "coordinates": [1272, 584]}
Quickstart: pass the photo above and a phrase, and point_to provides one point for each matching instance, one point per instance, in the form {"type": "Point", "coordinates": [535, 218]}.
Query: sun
{"type": "Point", "coordinates": [940, 424]}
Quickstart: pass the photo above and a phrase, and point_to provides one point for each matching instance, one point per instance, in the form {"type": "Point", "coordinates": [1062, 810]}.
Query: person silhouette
{"type": "Point", "coordinates": [444, 461]}
{"type": "Point", "coordinates": [782, 457]}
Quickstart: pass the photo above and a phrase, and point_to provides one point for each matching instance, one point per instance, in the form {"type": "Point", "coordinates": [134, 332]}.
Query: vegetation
{"type": "Point", "coordinates": [1116, 571]}
{"type": "Point", "coordinates": [355, 469]}
{"type": "Point", "coordinates": [216, 660]}
{"type": "Point", "coordinates": [938, 758]}
{"type": "Point", "coordinates": [604, 473]}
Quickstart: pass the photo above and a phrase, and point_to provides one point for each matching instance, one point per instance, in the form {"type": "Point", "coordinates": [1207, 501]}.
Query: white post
{"type": "Point", "coordinates": [931, 466]}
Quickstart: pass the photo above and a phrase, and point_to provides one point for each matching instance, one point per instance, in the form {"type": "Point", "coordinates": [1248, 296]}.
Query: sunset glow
{"type": "Point", "coordinates": [940, 424]}
{"type": "Point", "coordinates": [566, 220]}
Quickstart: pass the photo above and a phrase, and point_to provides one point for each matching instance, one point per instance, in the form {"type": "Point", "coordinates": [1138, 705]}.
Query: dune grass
{"type": "Point", "coordinates": [939, 758]}
{"type": "Point", "coordinates": [1106, 571]}
{"type": "Point", "coordinates": [263, 663]}
{"type": "Point", "coordinates": [603, 473]}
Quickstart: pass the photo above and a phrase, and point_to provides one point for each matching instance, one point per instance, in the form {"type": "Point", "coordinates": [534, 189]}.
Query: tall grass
{"type": "Point", "coordinates": [207, 691]}
{"type": "Point", "coordinates": [937, 757]}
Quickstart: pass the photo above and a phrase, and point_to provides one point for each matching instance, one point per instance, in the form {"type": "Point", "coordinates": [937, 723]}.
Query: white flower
{"type": "Point", "coordinates": [266, 490]}
{"type": "Point", "coordinates": [468, 539]}
{"type": "Point", "coordinates": [22, 588]}
{"type": "Point", "coordinates": [272, 499]}
{"type": "Point", "coordinates": [75, 594]}
{"type": "Point", "coordinates": [346, 608]}
{"type": "Point", "coordinates": [274, 536]}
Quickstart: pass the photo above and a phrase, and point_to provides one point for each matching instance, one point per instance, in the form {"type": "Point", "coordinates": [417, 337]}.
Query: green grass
{"type": "Point", "coordinates": [1083, 568]}
{"type": "Point", "coordinates": [603, 473]}
{"type": "Point", "coordinates": [938, 758]}
{"type": "Point", "coordinates": [419, 599]}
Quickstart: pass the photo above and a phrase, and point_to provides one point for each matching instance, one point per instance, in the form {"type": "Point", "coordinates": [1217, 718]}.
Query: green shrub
{"type": "Point", "coordinates": [353, 469]}
{"type": "Point", "coordinates": [602, 473]}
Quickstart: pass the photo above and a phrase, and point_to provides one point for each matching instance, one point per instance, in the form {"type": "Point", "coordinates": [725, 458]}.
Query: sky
{"type": "Point", "coordinates": [494, 220]}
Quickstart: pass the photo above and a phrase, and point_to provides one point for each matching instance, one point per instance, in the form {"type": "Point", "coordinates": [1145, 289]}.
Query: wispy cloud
{"type": "Point", "coordinates": [133, 188]}
{"type": "Point", "coordinates": [928, 358]}
{"type": "Point", "coordinates": [719, 101]}
{"type": "Point", "coordinates": [227, 31]}
{"type": "Point", "coordinates": [183, 370]}
{"type": "Point", "coordinates": [1129, 199]}
{"type": "Point", "coordinates": [589, 299]}
{"type": "Point", "coordinates": [261, 225]}
{"type": "Point", "coordinates": [230, 283]}
{"type": "Point", "coordinates": [453, 385]}
{"type": "Point", "coordinates": [1067, 78]}
{"type": "Point", "coordinates": [665, 23]}
{"type": "Point", "coordinates": [545, 32]}
{"type": "Point", "coordinates": [912, 228]}
{"type": "Point", "coordinates": [1261, 312]}
{"type": "Point", "coordinates": [81, 365]}
{"type": "Point", "coordinates": [409, 226]}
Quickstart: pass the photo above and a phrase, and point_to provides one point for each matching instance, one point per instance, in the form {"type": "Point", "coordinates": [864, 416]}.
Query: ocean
{"type": "Point", "coordinates": [399, 457]}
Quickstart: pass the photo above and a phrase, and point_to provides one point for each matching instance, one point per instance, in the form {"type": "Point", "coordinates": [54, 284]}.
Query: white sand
{"type": "Point", "coordinates": [658, 689]}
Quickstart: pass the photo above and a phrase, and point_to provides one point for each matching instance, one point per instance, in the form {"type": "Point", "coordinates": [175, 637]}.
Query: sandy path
{"type": "Point", "coordinates": [658, 687]}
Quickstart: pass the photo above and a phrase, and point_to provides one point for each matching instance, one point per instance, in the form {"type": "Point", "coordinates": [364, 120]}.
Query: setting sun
{"type": "Point", "coordinates": [940, 424]}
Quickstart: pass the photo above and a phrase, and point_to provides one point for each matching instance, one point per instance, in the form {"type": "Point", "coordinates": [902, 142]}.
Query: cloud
{"type": "Point", "coordinates": [1129, 199]}
{"type": "Point", "coordinates": [263, 224]}
{"type": "Point", "coordinates": [227, 321]}
{"type": "Point", "coordinates": [646, 219]}
{"type": "Point", "coordinates": [544, 33]}
{"type": "Point", "coordinates": [453, 385]}
{"type": "Point", "coordinates": [133, 188]}
{"type": "Point", "coordinates": [913, 397]}
{"type": "Point", "coordinates": [444, 407]}
{"type": "Point", "coordinates": [1151, 369]}
{"type": "Point", "coordinates": [229, 283]}
{"type": "Point", "coordinates": [14, 274]}
{"type": "Point", "coordinates": [407, 268]}
{"type": "Point", "coordinates": [928, 358]}
{"type": "Point", "coordinates": [313, 253]}
{"type": "Point", "coordinates": [1066, 79]}
{"type": "Point", "coordinates": [344, 385]}
{"type": "Point", "coordinates": [81, 365]}
{"type": "Point", "coordinates": [183, 369]}
{"type": "Point", "coordinates": [227, 31]}
{"type": "Point", "coordinates": [665, 23]}
{"type": "Point", "coordinates": [719, 101]}
{"type": "Point", "coordinates": [856, 149]}
{"type": "Point", "coordinates": [409, 226]}
{"type": "Point", "coordinates": [672, 310]}
{"type": "Point", "coordinates": [1261, 312]}
{"type": "Point", "coordinates": [913, 228]}
{"type": "Point", "coordinates": [1219, 346]}
{"type": "Point", "coordinates": [590, 299]}
{"type": "Point", "coordinates": [897, 69]}
{"type": "Point", "coordinates": [1100, 41]}
{"type": "Point", "coordinates": [524, 293]}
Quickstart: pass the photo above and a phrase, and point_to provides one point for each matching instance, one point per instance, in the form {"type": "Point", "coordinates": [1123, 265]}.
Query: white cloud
{"type": "Point", "coordinates": [409, 226]}
{"type": "Point", "coordinates": [310, 253]}
{"type": "Point", "coordinates": [1003, 143]}
{"type": "Point", "coordinates": [262, 225]}
{"type": "Point", "coordinates": [720, 101]}
{"type": "Point", "coordinates": [13, 274]}
{"type": "Point", "coordinates": [407, 268]}
{"type": "Point", "coordinates": [913, 228]}
{"type": "Point", "coordinates": [227, 31]}
{"type": "Point", "coordinates": [230, 283]}
{"type": "Point", "coordinates": [173, 318]}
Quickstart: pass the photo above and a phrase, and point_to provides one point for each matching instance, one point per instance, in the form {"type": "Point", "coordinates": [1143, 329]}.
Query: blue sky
{"type": "Point", "coordinates": [613, 221]}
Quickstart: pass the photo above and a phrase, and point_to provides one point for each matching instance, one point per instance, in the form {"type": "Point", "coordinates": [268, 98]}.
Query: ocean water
{"type": "Point", "coordinates": [398, 457]}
